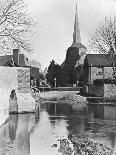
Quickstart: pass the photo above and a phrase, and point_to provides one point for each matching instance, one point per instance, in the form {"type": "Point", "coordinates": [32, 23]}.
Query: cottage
{"type": "Point", "coordinates": [96, 67]}
{"type": "Point", "coordinates": [19, 60]}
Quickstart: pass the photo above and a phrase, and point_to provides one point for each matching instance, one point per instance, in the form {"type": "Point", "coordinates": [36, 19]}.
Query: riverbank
{"type": "Point", "coordinates": [83, 145]}
{"type": "Point", "coordinates": [56, 95]}
{"type": "Point", "coordinates": [69, 97]}
{"type": "Point", "coordinates": [103, 100]}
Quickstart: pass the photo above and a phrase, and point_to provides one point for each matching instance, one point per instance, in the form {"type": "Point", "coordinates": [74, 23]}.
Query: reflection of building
{"type": "Point", "coordinates": [22, 141]}
{"type": "Point", "coordinates": [96, 111]}
{"type": "Point", "coordinates": [58, 109]}
{"type": "Point", "coordinates": [15, 134]}
{"type": "Point", "coordinates": [110, 112]}
{"type": "Point", "coordinates": [12, 126]}
{"type": "Point", "coordinates": [102, 111]}
{"type": "Point", "coordinates": [102, 124]}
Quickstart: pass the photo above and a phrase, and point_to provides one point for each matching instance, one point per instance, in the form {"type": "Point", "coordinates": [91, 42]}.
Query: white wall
{"type": "Point", "coordinates": [17, 78]}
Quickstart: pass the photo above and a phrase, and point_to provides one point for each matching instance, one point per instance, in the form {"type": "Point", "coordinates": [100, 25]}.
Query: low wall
{"type": "Point", "coordinates": [94, 90]}
{"type": "Point", "coordinates": [68, 88]}
{"type": "Point", "coordinates": [109, 90]}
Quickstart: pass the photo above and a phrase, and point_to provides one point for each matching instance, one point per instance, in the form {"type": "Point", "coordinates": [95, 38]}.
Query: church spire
{"type": "Point", "coordinates": [76, 34]}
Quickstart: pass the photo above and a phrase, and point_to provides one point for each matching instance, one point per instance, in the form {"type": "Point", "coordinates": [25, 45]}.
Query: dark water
{"type": "Point", "coordinates": [40, 133]}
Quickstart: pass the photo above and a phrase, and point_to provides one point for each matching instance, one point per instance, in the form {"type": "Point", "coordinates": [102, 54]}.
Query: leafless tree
{"type": "Point", "coordinates": [15, 24]}
{"type": "Point", "coordinates": [103, 40]}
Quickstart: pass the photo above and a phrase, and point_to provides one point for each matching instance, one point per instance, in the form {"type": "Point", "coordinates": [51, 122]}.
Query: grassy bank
{"type": "Point", "coordinates": [56, 95]}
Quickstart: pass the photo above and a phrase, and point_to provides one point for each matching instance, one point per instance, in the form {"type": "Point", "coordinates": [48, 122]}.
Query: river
{"type": "Point", "coordinates": [41, 133]}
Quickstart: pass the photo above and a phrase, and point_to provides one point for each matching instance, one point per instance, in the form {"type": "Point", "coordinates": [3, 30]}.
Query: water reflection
{"type": "Point", "coordinates": [15, 134]}
{"type": "Point", "coordinates": [12, 127]}
{"type": "Point", "coordinates": [57, 109]}
{"type": "Point", "coordinates": [41, 133]}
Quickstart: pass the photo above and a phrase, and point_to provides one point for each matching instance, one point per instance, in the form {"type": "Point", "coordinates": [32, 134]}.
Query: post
{"type": "Point", "coordinates": [55, 82]}
{"type": "Point", "coordinates": [13, 106]}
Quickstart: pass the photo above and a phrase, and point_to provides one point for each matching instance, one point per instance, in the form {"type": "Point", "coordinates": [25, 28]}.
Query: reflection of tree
{"type": "Point", "coordinates": [37, 113]}
{"type": "Point", "coordinates": [97, 109]}
{"type": "Point", "coordinates": [58, 109]}
{"type": "Point", "coordinates": [77, 122]}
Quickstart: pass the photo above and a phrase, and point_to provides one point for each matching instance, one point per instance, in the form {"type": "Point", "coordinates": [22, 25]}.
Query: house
{"type": "Point", "coordinates": [19, 60]}
{"type": "Point", "coordinates": [97, 68]}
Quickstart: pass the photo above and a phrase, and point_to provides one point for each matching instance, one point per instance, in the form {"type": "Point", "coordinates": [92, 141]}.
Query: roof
{"type": "Point", "coordinates": [97, 60]}
{"type": "Point", "coordinates": [78, 45]}
{"type": "Point", "coordinates": [5, 59]}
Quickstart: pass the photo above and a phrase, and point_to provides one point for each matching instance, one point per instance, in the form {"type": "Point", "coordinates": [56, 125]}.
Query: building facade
{"type": "Point", "coordinates": [97, 68]}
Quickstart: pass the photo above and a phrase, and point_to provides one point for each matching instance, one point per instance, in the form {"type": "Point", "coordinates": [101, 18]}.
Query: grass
{"type": "Point", "coordinates": [56, 95]}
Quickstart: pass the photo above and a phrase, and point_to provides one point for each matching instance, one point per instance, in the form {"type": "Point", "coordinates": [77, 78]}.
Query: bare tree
{"type": "Point", "coordinates": [15, 24]}
{"type": "Point", "coordinates": [103, 40]}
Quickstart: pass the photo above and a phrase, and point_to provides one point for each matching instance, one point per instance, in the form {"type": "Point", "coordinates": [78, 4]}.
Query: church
{"type": "Point", "coordinates": [72, 66]}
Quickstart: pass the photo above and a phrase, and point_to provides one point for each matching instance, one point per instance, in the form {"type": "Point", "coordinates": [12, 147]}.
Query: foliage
{"type": "Point", "coordinates": [103, 40]}
{"type": "Point", "coordinates": [98, 82]}
{"type": "Point", "coordinates": [41, 76]}
{"type": "Point", "coordinates": [34, 63]}
{"type": "Point", "coordinates": [15, 25]}
{"type": "Point", "coordinates": [102, 81]}
{"type": "Point", "coordinates": [69, 71]}
{"type": "Point", "coordinates": [54, 71]}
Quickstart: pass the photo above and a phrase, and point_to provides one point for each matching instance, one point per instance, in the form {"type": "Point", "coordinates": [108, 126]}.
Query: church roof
{"type": "Point", "coordinates": [98, 60]}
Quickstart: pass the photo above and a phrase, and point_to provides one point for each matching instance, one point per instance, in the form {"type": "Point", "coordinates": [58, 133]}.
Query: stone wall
{"type": "Point", "coordinates": [96, 90]}
{"type": "Point", "coordinates": [23, 80]}
{"type": "Point", "coordinates": [109, 90]}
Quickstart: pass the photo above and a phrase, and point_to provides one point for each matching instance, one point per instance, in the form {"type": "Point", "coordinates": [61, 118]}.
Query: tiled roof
{"type": "Point", "coordinates": [98, 60]}
{"type": "Point", "coordinates": [5, 59]}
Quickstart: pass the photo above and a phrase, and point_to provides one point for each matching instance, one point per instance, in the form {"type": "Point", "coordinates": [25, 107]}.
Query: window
{"type": "Point", "coordinates": [99, 71]}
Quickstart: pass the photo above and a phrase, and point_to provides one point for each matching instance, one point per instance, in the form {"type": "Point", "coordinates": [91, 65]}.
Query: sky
{"type": "Point", "coordinates": [55, 25]}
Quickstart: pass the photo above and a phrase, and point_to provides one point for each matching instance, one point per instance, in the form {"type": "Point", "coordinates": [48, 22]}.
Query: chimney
{"type": "Point", "coordinates": [16, 56]}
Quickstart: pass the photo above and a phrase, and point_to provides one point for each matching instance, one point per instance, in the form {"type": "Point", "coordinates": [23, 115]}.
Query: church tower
{"type": "Point", "coordinates": [76, 34]}
{"type": "Point", "coordinates": [77, 37]}
{"type": "Point", "coordinates": [73, 64]}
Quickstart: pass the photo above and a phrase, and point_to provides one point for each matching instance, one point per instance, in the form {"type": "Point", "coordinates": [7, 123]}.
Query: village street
{"type": "Point", "coordinates": [57, 77]}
